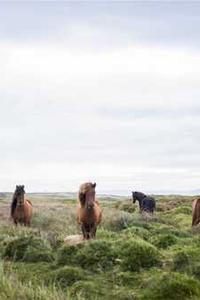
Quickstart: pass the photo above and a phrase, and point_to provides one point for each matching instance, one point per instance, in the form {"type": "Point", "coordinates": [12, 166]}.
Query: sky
{"type": "Point", "coordinates": [100, 91]}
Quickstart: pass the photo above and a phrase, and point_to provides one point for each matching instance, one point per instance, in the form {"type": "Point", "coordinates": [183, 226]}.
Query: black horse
{"type": "Point", "coordinates": [146, 203]}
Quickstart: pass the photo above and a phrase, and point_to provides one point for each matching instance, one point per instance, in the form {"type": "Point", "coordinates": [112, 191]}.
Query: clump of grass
{"type": "Point", "coordinates": [164, 240]}
{"type": "Point", "coordinates": [30, 249]}
{"type": "Point", "coordinates": [67, 276]}
{"type": "Point", "coordinates": [127, 206]}
{"type": "Point", "coordinates": [11, 288]}
{"type": "Point", "coordinates": [187, 260]}
{"type": "Point", "coordinates": [96, 255]}
{"type": "Point", "coordinates": [136, 254]}
{"type": "Point", "coordinates": [171, 286]}
{"type": "Point", "coordinates": [89, 290]}
{"type": "Point", "coordinates": [137, 231]}
{"type": "Point", "coordinates": [67, 253]}
{"type": "Point", "coordinates": [117, 220]}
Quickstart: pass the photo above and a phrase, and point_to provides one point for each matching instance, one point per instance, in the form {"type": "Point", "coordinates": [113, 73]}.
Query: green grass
{"type": "Point", "coordinates": [131, 258]}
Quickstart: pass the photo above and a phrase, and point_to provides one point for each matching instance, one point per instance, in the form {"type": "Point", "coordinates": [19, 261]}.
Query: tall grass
{"type": "Point", "coordinates": [131, 258]}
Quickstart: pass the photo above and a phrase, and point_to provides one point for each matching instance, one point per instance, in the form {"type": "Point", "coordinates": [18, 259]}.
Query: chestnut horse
{"type": "Point", "coordinates": [89, 213]}
{"type": "Point", "coordinates": [21, 208]}
{"type": "Point", "coordinates": [196, 212]}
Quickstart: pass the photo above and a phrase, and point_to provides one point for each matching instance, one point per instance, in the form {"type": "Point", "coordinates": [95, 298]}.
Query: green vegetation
{"type": "Point", "coordinates": [132, 258]}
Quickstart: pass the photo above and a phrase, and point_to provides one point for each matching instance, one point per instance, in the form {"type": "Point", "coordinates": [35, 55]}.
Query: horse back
{"type": "Point", "coordinates": [148, 204]}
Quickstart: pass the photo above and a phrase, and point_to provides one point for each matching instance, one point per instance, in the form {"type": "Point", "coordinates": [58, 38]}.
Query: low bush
{"type": "Point", "coordinates": [136, 254]}
{"type": "Point", "coordinates": [96, 255]}
{"type": "Point", "coordinates": [66, 276]}
{"type": "Point", "coordinates": [187, 260]}
{"type": "Point", "coordinates": [117, 220]}
{"type": "Point", "coordinates": [66, 254]}
{"type": "Point", "coordinates": [164, 240]}
{"type": "Point", "coordinates": [171, 286]}
{"type": "Point", "coordinates": [30, 249]}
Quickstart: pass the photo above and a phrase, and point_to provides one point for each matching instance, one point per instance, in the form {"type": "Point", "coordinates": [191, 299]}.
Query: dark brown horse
{"type": "Point", "coordinates": [89, 213]}
{"type": "Point", "coordinates": [196, 212]}
{"type": "Point", "coordinates": [21, 208]}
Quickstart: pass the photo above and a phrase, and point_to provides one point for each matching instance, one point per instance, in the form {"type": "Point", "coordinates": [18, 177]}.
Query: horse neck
{"type": "Point", "coordinates": [140, 196]}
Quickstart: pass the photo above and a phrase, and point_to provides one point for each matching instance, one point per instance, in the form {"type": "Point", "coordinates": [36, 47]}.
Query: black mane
{"type": "Point", "coordinates": [13, 204]}
{"type": "Point", "coordinates": [18, 191]}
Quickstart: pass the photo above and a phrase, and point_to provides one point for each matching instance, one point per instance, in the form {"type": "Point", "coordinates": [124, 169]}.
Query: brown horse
{"type": "Point", "coordinates": [89, 213]}
{"type": "Point", "coordinates": [196, 212]}
{"type": "Point", "coordinates": [21, 208]}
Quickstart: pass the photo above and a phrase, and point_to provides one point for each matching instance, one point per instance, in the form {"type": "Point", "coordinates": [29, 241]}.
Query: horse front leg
{"type": "Point", "coordinates": [84, 231]}
{"type": "Point", "coordinates": [93, 231]}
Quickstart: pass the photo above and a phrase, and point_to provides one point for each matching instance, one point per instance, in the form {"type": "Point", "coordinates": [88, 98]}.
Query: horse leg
{"type": "Point", "coordinates": [83, 228]}
{"type": "Point", "coordinates": [93, 231]}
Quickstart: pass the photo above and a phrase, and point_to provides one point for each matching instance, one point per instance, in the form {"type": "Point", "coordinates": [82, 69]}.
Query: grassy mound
{"type": "Point", "coordinates": [96, 255]}
{"type": "Point", "coordinates": [187, 260]}
{"type": "Point", "coordinates": [172, 286]}
{"type": "Point", "coordinates": [164, 240]}
{"type": "Point", "coordinates": [30, 249]}
{"type": "Point", "coordinates": [137, 254]}
{"type": "Point", "coordinates": [67, 276]}
{"type": "Point", "coordinates": [66, 254]}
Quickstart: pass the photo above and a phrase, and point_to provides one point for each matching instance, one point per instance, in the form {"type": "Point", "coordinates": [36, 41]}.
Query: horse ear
{"type": "Point", "coordinates": [23, 186]}
{"type": "Point", "coordinates": [94, 185]}
{"type": "Point", "coordinates": [16, 186]}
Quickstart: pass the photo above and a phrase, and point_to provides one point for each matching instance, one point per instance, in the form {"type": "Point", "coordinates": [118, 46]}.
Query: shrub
{"type": "Point", "coordinates": [172, 286]}
{"type": "Point", "coordinates": [96, 254]}
{"type": "Point", "coordinates": [66, 276]}
{"type": "Point", "coordinates": [117, 220]}
{"type": "Point", "coordinates": [127, 206]}
{"type": "Point", "coordinates": [164, 240]}
{"type": "Point", "coordinates": [138, 231]}
{"type": "Point", "coordinates": [31, 249]}
{"type": "Point", "coordinates": [187, 260]}
{"type": "Point", "coordinates": [66, 254]}
{"type": "Point", "coordinates": [137, 254]}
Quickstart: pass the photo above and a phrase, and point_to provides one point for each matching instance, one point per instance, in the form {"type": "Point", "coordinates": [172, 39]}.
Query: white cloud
{"type": "Point", "coordinates": [54, 128]}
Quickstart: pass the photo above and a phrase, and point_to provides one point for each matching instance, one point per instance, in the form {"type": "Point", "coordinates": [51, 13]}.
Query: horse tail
{"type": "Point", "coordinates": [13, 205]}
{"type": "Point", "coordinates": [196, 212]}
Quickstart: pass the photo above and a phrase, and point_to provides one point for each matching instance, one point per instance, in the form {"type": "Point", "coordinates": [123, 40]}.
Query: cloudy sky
{"type": "Point", "coordinates": [108, 92]}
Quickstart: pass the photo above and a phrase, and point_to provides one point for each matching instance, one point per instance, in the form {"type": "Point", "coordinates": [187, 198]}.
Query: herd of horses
{"type": "Point", "coordinates": [89, 213]}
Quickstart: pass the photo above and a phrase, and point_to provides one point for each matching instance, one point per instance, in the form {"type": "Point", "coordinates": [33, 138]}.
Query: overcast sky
{"type": "Point", "coordinates": [107, 92]}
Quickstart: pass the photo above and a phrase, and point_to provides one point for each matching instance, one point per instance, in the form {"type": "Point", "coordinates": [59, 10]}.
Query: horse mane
{"type": "Point", "coordinates": [84, 188]}
{"type": "Point", "coordinates": [13, 204]}
{"type": "Point", "coordinates": [196, 213]}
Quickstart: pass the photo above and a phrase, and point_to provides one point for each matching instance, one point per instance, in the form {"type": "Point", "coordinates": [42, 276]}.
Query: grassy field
{"type": "Point", "coordinates": [131, 258]}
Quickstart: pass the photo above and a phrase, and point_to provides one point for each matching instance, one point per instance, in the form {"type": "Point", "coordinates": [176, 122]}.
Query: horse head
{"type": "Point", "coordinates": [87, 195]}
{"type": "Point", "coordinates": [19, 194]}
{"type": "Point", "coordinates": [134, 196]}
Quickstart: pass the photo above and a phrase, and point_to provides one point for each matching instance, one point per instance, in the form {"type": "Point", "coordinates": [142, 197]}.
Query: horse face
{"type": "Point", "coordinates": [20, 193]}
{"type": "Point", "coordinates": [90, 198]}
